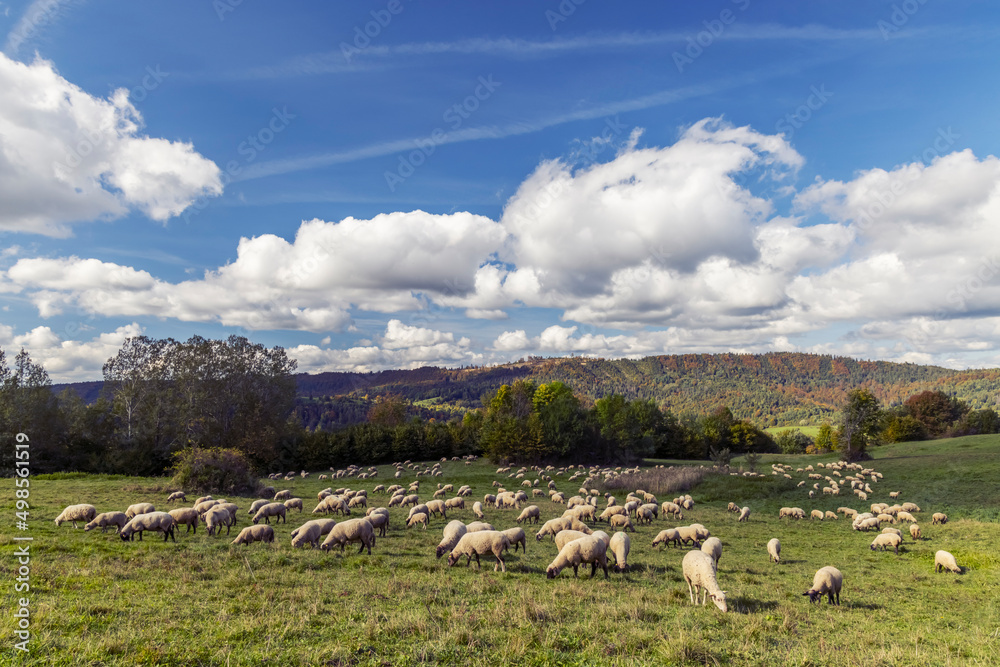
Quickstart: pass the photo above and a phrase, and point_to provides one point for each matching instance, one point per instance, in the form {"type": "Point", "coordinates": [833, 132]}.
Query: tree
{"type": "Point", "coordinates": [860, 419]}
{"type": "Point", "coordinates": [935, 410]}
{"type": "Point", "coordinates": [28, 406]}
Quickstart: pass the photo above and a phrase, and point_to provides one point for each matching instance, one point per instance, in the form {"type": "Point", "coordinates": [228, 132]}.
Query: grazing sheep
{"type": "Point", "coordinates": [667, 536]}
{"type": "Point", "coordinates": [744, 514]}
{"type": "Point", "coordinates": [417, 519]}
{"type": "Point", "coordinates": [894, 531]}
{"type": "Point", "coordinates": [325, 526]}
{"type": "Point", "coordinates": [848, 512]}
{"type": "Point", "coordinates": [380, 522]}
{"type": "Point", "coordinates": [621, 521]}
{"type": "Point", "coordinates": [910, 507]}
{"type": "Point", "coordinates": [217, 517]}
{"type": "Point", "coordinates": [292, 503]}
{"type": "Point", "coordinates": [186, 516]}
{"type": "Point", "coordinates": [713, 547]}
{"type": "Point", "coordinates": [102, 521]}
{"type": "Point", "coordinates": [437, 507]}
{"type": "Point", "coordinates": [939, 518]}
{"type": "Point", "coordinates": [945, 561]}
{"type": "Point", "coordinates": [453, 532]}
{"type": "Point", "coordinates": [669, 507]}
{"type": "Point", "coordinates": [816, 514]}
{"type": "Point", "coordinates": [903, 515]}
{"type": "Point", "coordinates": [774, 550]}
{"type": "Point", "coordinates": [160, 522]}
{"type": "Point", "coordinates": [699, 572]}
{"type": "Point", "coordinates": [614, 510]}
{"type": "Point", "coordinates": [884, 540]}
{"type": "Point", "coordinates": [201, 500]}
{"type": "Point", "coordinates": [256, 505]}
{"type": "Point", "coordinates": [269, 510]}
{"type": "Point", "coordinates": [620, 546]}
{"type": "Point", "coordinates": [480, 543]}
{"type": "Point", "coordinates": [477, 509]}
{"type": "Point", "coordinates": [176, 495]}
{"type": "Point", "coordinates": [831, 515]}
{"type": "Point", "coordinates": [358, 501]}
{"type": "Point", "coordinates": [352, 530]}
{"type": "Point", "coordinates": [552, 527]}
{"type": "Point", "coordinates": [588, 549]}
{"type": "Point", "coordinates": [308, 533]}
{"type": "Point", "coordinates": [83, 513]}
{"type": "Point", "coordinates": [418, 509]}
{"type": "Point", "coordinates": [643, 515]}
{"type": "Point", "coordinates": [477, 526]}
{"type": "Point", "coordinates": [516, 536]}
{"type": "Point", "coordinates": [688, 534]}
{"type": "Point", "coordinates": [827, 580]}
{"type": "Point", "coordinates": [205, 505]}
{"type": "Point", "coordinates": [139, 508]}
{"type": "Point", "coordinates": [282, 495]}
{"type": "Point", "coordinates": [733, 507]}
{"type": "Point", "coordinates": [915, 532]}
{"type": "Point", "coordinates": [563, 537]}
{"type": "Point", "coordinates": [252, 534]}
{"type": "Point", "coordinates": [701, 531]}
{"type": "Point", "coordinates": [455, 503]}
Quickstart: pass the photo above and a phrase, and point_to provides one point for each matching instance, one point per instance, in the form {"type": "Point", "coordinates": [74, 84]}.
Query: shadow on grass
{"type": "Point", "coordinates": [861, 605]}
{"type": "Point", "coordinates": [742, 605]}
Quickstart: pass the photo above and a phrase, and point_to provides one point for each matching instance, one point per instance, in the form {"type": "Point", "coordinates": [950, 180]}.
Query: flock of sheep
{"type": "Point", "coordinates": [577, 543]}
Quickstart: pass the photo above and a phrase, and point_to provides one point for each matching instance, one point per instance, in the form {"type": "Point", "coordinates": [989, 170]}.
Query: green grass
{"type": "Point", "coordinates": [97, 600]}
{"type": "Point", "coordinates": [811, 431]}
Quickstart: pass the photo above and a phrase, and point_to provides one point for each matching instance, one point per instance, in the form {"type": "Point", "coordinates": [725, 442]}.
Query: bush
{"type": "Point", "coordinates": [793, 441]}
{"type": "Point", "coordinates": [214, 470]}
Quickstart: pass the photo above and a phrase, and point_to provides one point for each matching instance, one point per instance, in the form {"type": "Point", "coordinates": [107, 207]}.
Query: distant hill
{"type": "Point", "coordinates": [775, 389]}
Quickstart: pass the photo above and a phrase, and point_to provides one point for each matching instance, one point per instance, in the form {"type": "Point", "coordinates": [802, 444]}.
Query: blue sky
{"type": "Point", "coordinates": [397, 184]}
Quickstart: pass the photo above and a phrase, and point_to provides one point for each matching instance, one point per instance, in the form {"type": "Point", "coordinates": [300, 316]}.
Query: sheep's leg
{"type": "Point", "coordinates": [690, 591]}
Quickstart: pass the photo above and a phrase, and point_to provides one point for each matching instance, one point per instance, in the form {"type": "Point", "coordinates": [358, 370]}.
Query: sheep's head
{"type": "Point", "coordinates": [552, 571]}
{"type": "Point", "coordinates": [814, 595]}
{"type": "Point", "coordinates": [452, 559]}
{"type": "Point", "coordinates": [720, 600]}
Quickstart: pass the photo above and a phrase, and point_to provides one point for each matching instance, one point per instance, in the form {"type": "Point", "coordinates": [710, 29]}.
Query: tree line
{"type": "Point", "coordinates": [161, 398]}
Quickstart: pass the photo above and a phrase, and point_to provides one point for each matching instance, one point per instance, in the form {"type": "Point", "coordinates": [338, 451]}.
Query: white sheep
{"type": "Point", "coordinates": [588, 549]}
{"type": "Point", "coordinates": [417, 519]}
{"type": "Point", "coordinates": [774, 550]}
{"type": "Point", "coordinates": [688, 534]}
{"type": "Point", "coordinates": [269, 510]}
{"type": "Point", "coordinates": [293, 503]}
{"type": "Point", "coordinates": [201, 500]}
{"type": "Point", "coordinates": [105, 519]}
{"type": "Point", "coordinates": [903, 515]}
{"type": "Point", "coordinates": [352, 530]}
{"type": "Point", "coordinates": [325, 526]}
{"type": "Point", "coordinates": [939, 518]}
{"type": "Point", "coordinates": [816, 514]}
{"type": "Point", "coordinates": [380, 522]}
{"type": "Point", "coordinates": [477, 509]}
{"type": "Point", "coordinates": [480, 543]}
{"type": "Point", "coordinates": [565, 536]}
{"type": "Point", "coordinates": [256, 505]}
{"type": "Point", "coordinates": [217, 517]}
{"type": "Point", "coordinates": [621, 521]}
{"type": "Point", "coordinates": [252, 534]}
{"type": "Point", "coordinates": [176, 495]}
{"type": "Point", "coordinates": [477, 526]}
{"type": "Point", "coordinates": [185, 516]}
{"type": "Point", "coordinates": [205, 505]}
{"type": "Point", "coordinates": [453, 532]}
{"type": "Point", "coordinates": [308, 533]}
{"type": "Point", "coordinates": [915, 532]}
{"type": "Point", "coordinates": [620, 546]}
{"type": "Point", "coordinates": [284, 494]}
{"type": "Point", "coordinates": [83, 513]}
{"type": "Point", "coordinates": [883, 541]}
{"type": "Point", "coordinates": [139, 508]}
{"type": "Point", "coordinates": [455, 503]}
{"type": "Point", "coordinates": [667, 536]}
{"type": "Point", "coordinates": [945, 561]}
{"type": "Point", "coordinates": [744, 514]}
{"type": "Point", "coordinates": [517, 537]}
{"type": "Point", "coordinates": [713, 547]}
{"type": "Point", "coordinates": [831, 515]}
{"type": "Point", "coordinates": [159, 522]}
{"type": "Point", "coordinates": [699, 572]}
{"type": "Point", "coordinates": [827, 580]}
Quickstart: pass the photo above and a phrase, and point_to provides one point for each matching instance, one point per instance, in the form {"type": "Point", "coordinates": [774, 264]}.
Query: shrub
{"type": "Point", "coordinates": [793, 441]}
{"type": "Point", "coordinates": [214, 470]}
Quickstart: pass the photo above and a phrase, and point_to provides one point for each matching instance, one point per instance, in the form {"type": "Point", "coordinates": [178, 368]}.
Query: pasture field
{"type": "Point", "coordinates": [96, 600]}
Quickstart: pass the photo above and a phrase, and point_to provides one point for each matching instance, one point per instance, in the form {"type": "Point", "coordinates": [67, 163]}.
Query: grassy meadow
{"type": "Point", "coordinates": [201, 601]}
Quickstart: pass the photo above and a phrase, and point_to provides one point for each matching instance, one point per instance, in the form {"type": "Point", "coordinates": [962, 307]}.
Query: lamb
{"type": "Point", "coordinates": [102, 521]}
{"type": "Point", "coordinates": [139, 508]}
{"type": "Point", "coordinates": [563, 537]}
{"type": "Point", "coordinates": [185, 516]}
{"type": "Point", "coordinates": [477, 509]}
{"type": "Point", "coordinates": [516, 536]}
{"type": "Point", "coordinates": [217, 517]}
{"type": "Point", "coordinates": [884, 540]}
{"type": "Point", "coordinates": [252, 534]}
{"type": "Point", "coordinates": [292, 503]}
{"type": "Point", "coordinates": [915, 532]}
{"type": "Point", "coordinates": [620, 546]}
{"type": "Point", "coordinates": [667, 536]}
{"type": "Point", "coordinates": [160, 522]}
{"type": "Point", "coordinates": [589, 549]}
{"type": "Point", "coordinates": [700, 574]}
{"type": "Point", "coordinates": [176, 495]}
{"type": "Point", "coordinates": [939, 518]}
{"type": "Point", "coordinates": [417, 519]}
{"type": "Point", "coordinates": [480, 543]}
{"type": "Point", "coordinates": [352, 530]}
{"type": "Point", "coordinates": [713, 547]}
{"type": "Point", "coordinates": [744, 514]}
{"type": "Point", "coordinates": [308, 533]}
{"type": "Point", "coordinates": [774, 550]}
{"type": "Point", "coordinates": [453, 532]}
{"type": "Point", "coordinates": [269, 510]}
{"type": "Point", "coordinates": [945, 561]}
{"type": "Point", "coordinates": [827, 580]}
{"type": "Point", "coordinates": [83, 513]}
{"type": "Point", "coordinates": [418, 509]}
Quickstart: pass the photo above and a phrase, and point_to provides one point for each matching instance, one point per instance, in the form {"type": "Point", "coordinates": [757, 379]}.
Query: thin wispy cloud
{"type": "Point", "coordinates": [38, 14]}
